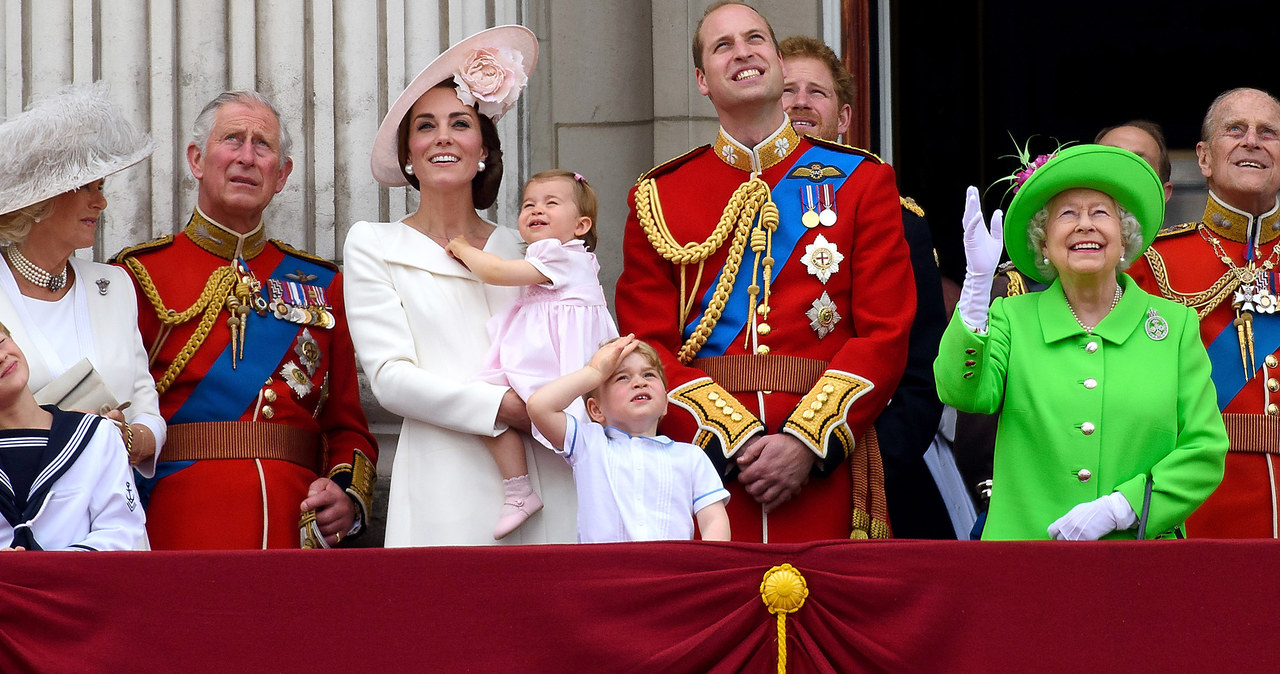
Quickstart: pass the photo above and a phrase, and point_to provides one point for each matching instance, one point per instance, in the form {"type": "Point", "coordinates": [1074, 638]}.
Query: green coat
{"type": "Point", "coordinates": [1084, 415]}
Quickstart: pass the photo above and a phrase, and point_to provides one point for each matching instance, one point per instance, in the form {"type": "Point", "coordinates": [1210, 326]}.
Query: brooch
{"type": "Point", "coordinates": [308, 351]}
{"type": "Point", "coordinates": [296, 379]}
{"type": "Point", "coordinates": [102, 285]}
{"type": "Point", "coordinates": [1157, 328]}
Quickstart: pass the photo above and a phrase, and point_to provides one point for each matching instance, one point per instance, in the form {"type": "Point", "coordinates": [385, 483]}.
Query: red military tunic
{"type": "Point", "coordinates": [239, 484]}
{"type": "Point", "coordinates": [1235, 301]}
{"type": "Point", "coordinates": [815, 350]}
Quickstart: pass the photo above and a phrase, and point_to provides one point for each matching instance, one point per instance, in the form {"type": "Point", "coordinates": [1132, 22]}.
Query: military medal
{"type": "Point", "coordinates": [296, 379]}
{"type": "Point", "coordinates": [809, 199]}
{"type": "Point", "coordinates": [1157, 328]}
{"type": "Point", "coordinates": [822, 259]}
{"type": "Point", "coordinates": [823, 315]}
{"type": "Point", "coordinates": [308, 351]}
{"type": "Point", "coordinates": [299, 303]}
{"type": "Point", "coordinates": [828, 195]}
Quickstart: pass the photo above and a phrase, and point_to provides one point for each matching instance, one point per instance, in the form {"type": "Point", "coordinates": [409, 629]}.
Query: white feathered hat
{"type": "Point", "coordinates": [65, 141]}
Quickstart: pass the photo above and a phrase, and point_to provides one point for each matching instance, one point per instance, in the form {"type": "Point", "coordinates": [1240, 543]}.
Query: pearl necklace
{"type": "Point", "coordinates": [1087, 328]}
{"type": "Point", "coordinates": [34, 274]}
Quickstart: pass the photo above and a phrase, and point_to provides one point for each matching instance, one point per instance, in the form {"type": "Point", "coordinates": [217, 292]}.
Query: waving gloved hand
{"type": "Point", "coordinates": [982, 255]}
{"type": "Point", "coordinates": [1094, 519]}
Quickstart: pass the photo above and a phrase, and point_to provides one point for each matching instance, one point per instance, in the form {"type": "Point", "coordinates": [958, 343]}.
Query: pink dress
{"type": "Point", "coordinates": [552, 328]}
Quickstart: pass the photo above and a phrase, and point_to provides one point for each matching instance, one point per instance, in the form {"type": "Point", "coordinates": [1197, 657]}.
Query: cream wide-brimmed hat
{"type": "Point", "coordinates": [65, 141]}
{"type": "Point", "coordinates": [491, 68]}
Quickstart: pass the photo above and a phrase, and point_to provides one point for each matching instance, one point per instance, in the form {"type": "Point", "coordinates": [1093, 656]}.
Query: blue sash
{"type": "Point", "coordinates": [786, 195]}
{"type": "Point", "coordinates": [224, 393]}
{"type": "Point", "coordinates": [1224, 354]}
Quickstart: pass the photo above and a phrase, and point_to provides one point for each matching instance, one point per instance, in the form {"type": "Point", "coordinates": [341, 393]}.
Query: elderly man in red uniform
{"type": "Point", "coordinates": [1224, 266]}
{"type": "Point", "coordinates": [268, 445]}
{"type": "Point", "coordinates": [771, 272]}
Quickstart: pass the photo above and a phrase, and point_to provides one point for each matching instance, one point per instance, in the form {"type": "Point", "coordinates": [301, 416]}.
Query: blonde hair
{"type": "Point", "coordinates": [15, 226]}
{"type": "Point", "coordinates": [584, 198]}
{"type": "Point", "coordinates": [650, 356]}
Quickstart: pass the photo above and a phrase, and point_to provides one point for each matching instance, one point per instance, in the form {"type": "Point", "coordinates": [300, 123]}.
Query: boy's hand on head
{"type": "Point", "coordinates": [607, 358]}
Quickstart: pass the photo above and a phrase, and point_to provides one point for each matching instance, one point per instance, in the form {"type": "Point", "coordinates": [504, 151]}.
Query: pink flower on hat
{"type": "Point", "coordinates": [491, 78]}
{"type": "Point", "coordinates": [1021, 176]}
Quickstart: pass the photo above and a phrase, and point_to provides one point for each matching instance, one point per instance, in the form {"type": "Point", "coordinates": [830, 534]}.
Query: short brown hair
{"type": "Point", "coordinates": [697, 32]}
{"type": "Point", "coordinates": [1163, 167]}
{"type": "Point", "coordinates": [803, 46]}
{"type": "Point", "coordinates": [484, 187]}
{"type": "Point", "coordinates": [647, 352]}
{"type": "Point", "coordinates": [584, 198]}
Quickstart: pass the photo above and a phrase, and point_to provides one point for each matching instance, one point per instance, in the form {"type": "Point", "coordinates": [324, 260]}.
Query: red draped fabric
{"type": "Point", "coordinates": [900, 606]}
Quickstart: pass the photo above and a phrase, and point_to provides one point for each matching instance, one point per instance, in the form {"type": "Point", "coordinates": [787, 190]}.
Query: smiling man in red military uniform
{"type": "Point", "coordinates": [1225, 267]}
{"type": "Point", "coordinates": [770, 271]}
{"type": "Point", "coordinates": [268, 445]}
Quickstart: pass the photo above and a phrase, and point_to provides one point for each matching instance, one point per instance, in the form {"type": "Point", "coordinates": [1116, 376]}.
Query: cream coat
{"type": "Point", "coordinates": [107, 329]}
{"type": "Point", "coordinates": [418, 319]}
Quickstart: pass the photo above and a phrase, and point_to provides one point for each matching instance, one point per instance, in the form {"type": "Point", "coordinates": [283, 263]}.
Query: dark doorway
{"type": "Point", "coordinates": [969, 75]}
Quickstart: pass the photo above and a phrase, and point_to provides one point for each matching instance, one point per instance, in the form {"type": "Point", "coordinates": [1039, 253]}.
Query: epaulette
{"type": "Point", "coordinates": [911, 205]}
{"type": "Point", "coordinates": [310, 257]}
{"type": "Point", "coordinates": [1175, 230]}
{"type": "Point", "coordinates": [159, 242]}
{"type": "Point", "coordinates": [671, 163]}
{"type": "Point", "coordinates": [844, 148]}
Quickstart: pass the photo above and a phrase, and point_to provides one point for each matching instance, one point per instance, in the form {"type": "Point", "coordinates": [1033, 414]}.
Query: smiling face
{"type": "Point", "coordinates": [549, 212]}
{"type": "Point", "coordinates": [240, 167]}
{"type": "Point", "coordinates": [633, 398]}
{"type": "Point", "coordinates": [1240, 155]}
{"type": "Point", "coordinates": [1083, 236]}
{"type": "Point", "coordinates": [810, 99]}
{"type": "Point", "coordinates": [445, 143]}
{"type": "Point", "coordinates": [740, 62]}
{"type": "Point", "coordinates": [70, 224]}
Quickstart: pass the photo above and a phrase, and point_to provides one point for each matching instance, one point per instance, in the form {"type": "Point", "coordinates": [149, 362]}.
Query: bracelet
{"type": "Point", "coordinates": [126, 433]}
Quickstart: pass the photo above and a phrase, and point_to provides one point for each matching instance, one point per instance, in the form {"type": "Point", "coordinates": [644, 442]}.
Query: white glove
{"type": "Point", "coordinates": [981, 257]}
{"type": "Point", "coordinates": [1095, 519]}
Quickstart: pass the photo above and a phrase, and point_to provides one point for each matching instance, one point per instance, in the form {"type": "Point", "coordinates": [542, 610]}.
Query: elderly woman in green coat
{"type": "Point", "coordinates": [1108, 421]}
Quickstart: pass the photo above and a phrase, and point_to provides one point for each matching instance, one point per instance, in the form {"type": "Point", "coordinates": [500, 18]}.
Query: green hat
{"type": "Point", "coordinates": [1120, 174]}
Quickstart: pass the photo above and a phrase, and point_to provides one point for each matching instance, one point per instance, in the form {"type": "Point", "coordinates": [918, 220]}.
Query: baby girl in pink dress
{"type": "Point", "coordinates": [554, 326]}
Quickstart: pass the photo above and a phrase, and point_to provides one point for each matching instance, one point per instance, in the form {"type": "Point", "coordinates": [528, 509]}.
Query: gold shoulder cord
{"type": "Point", "coordinates": [748, 200]}
{"type": "Point", "coordinates": [1204, 301]}
{"type": "Point", "coordinates": [220, 283]}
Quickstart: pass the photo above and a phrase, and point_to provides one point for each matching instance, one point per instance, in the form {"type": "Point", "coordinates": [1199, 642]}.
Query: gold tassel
{"type": "Point", "coordinates": [783, 591]}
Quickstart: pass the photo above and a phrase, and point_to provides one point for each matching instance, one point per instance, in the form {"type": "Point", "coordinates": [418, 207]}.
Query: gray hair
{"type": "Point", "coordinates": [1211, 115]}
{"type": "Point", "coordinates": [1130, 229]}
{"type": "Point", "coordinates": [204, 121]}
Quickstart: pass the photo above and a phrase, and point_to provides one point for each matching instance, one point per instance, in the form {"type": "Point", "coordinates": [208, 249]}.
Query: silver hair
{"type": "Point", "coordinates": [205, 120]}
{"type": "Point", "coordinates": [1130, 229]}
{"type": "Point", "coordinates": [1211, 115]}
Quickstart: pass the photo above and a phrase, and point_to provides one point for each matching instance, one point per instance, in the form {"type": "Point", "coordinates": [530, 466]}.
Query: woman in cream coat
{"type": "Point", "coordinates": [61, 309]}
{"type": "Point", "coordinates": [418, 316]}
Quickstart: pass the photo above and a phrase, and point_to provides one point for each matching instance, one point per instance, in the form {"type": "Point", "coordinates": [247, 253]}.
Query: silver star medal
{"type": "Point", "coordinates": [296, 378]}
{"type": "Point", "coordinates": [822, 258]}
{"type": "Point", "coordinates": [823, 315]}
{"type": "Point", "coordinates": [1157, 328]}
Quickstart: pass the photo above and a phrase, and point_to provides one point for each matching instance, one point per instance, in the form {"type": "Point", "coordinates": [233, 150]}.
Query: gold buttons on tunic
{"type": "Point", "coordinates": [268, 411]}
{"type": "Point", "coordinates": [269, 395]}
{"type": "Point", "coordinates": [807, 414]}
{"type": "Point", "coordinates": [1084, 475]}
{"type": "Point", "coordinates": [1091, 383]}
{"type": "Point", "coordinates": [763, 329]}
{"type": "Point", "coordinates": [762, 350]}
{"type": "Point", "coordinates": [1271, 361]}
{"type": "Point", "coordinates": [727, 411]}
{"type": "Point", "coordinates": [828, 389]}
{"type": "Point", "coordinates": [1091, 347]}
{"type": "Point", "coordinates": [713, 396]}
{"type": "Point", "coordinates": [822, 397]}
{"type": "Point", "coordinates": [815, 405]}
{"type": "Point", "coordinates": [735, 416]}
{"type": "Point", "coordinates": [1273, 409]}
{"type": "Point", "coordinates": [721, 403]}
{"type": "Point", "coordinates": [1086, 428]}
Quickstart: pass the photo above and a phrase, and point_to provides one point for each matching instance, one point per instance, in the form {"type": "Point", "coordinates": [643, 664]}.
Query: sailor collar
{"type": "Point", "coordinates": [768, 153]}
{"type": "Point", "coordinates": [1236, 225]}
{"type": "Point", "coordinates": [225, 243]}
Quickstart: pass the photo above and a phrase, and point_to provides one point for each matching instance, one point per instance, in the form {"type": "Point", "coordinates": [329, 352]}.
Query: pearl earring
{"type": "Point", "coordinates": [1046, 260]}
{"type": "Point", "coordinates": [480, 165]}
{"type": "Point", "coordinates": [408, 168]}
{"type": "Point", "coordinates": [1122, 258]}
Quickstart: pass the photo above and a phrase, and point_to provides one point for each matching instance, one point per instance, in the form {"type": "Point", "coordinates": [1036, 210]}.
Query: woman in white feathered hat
{"type": "Point", "coordinates": [418, 316]}
{"type": "Point", "coordinates": [61, 309]}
